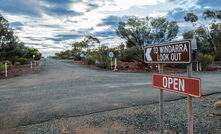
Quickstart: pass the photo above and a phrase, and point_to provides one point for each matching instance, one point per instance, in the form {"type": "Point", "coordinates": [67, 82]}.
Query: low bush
{"type": "Point", "coordinates": [205, 60]}
{"type": "Point", "coordinates": [218, 55]}
{"type": "Point", "coordinates": [90, 60]}
{"type": "Point", "coordinates": [2, 66]}
{"type": "Point", "coordinates": [23, 60]}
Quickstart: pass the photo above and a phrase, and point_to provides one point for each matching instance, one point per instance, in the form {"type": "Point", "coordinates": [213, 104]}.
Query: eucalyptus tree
{"type": "Point", "coordinates": [209, 33]}
{"type": "Point", "coordinates": [140, 32]}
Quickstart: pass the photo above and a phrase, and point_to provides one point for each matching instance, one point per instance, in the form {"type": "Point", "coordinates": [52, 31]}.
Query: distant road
{"type": "Point", "coordinates": [60, 89]}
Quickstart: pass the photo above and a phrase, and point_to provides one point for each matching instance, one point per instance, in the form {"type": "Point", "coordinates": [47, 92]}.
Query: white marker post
{"type": "Point", "coordinates": [6, 71]}
{"type": "Point", "coordinates": [31, 64]}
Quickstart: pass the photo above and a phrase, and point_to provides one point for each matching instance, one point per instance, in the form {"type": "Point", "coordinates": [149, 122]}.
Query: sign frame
{"type": "Point", "coordinates": [167, 44]}
{"type": "Point", "coordinates": [182, 77]}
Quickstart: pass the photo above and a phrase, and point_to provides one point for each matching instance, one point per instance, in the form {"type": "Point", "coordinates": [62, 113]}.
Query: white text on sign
{"type": "Point", "coordinates": [170, 52]}
{"type": "Point", "coordinates": [177, 84]}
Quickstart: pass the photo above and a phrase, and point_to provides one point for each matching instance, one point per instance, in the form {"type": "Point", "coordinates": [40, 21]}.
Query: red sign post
{"type": "Point", "coordinates": [179, 84]}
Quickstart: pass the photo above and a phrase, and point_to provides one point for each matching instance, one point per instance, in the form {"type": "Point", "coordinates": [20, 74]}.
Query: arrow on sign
{"type": "Point", "coordinates": [148, 56]}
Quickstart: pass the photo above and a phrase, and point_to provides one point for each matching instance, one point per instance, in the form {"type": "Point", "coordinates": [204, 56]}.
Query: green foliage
{"type": "Point", "coordinates": [11, 48]}
{"type": "Point", "coordinates": [12, 51]}
{"type": "Point", "coordinates": [191, 17]}
{"type": "Point", "coordinates": [90, 59]}
{"type": "Point", "coordinates": [218, 55]}
{"type": "Point", "coordinates": [132, 54]}
{"type": "Point", "coordinates": [23, 60]}
{"type": "Point", "coordinates": [139, 32]}
{"type": "Point", "coordinates": [188, 34]}
{"type": "Point", "coordinates": [102, 56]}
{"type": "Point", "coordinates": [205, 60]}
{"type": "Point", "coordinates": [33, 53]}
{"type": "Point", "coordinates": [209, 14]}
{"type": "Point", "coordinates": [2, 66]}
{"type": "Point", "coordinates": [78, 48]}
{"type": "Point", "coordinates": [54, 57]}
{"type": "Point", "coordinates": [207, 34]}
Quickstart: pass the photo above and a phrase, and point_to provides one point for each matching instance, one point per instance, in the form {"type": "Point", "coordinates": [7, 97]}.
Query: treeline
{"type": "Point", "coordinates": [140, 32]}
{"type": "Point", "coordinates": [12, 49]}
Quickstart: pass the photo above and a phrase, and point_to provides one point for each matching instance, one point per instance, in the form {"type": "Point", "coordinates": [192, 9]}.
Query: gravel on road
{"type": "Point", "coordinates": [61, 90]}
{"type": "Point", "coordinates": [136, 120]}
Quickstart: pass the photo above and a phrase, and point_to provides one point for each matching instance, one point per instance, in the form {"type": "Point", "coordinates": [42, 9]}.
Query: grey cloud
{"type": "Point", "coordinates": [68, 36]}
{"type": "Point", "coordinates": [178, 14]}
{"type": "Point", "coordinates": [106, 34]}
{"type": "Point", "coordinates": [215, 4]}
{"type": "Point", "coordinates": [35, 8]}
{"type": "Point", "coordinates": [16, 25]}
{"type": "Point", "coordinates": [113, 21]}
{"type": "Point", "coordinates": [29, 7]}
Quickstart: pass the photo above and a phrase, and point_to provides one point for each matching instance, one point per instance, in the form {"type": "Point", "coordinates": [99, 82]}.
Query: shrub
{"type": "Point", "coordinates": [23, 60]}
{"type": "Point", "coordinates": [218, 55]}
{"type": "Point", "coordinates": [103, 60]}
{"type": "Point", "coordinates": [90, 60]}
{"type": "Point", "coordinates": [205, 60]}
{"type": "Point", "coordinates": [2, 66]}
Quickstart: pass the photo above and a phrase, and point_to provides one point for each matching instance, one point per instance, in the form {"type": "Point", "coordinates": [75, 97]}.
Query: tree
{"type": "Point", "coordinates": [11, 48]}
{"type": "Point", "coordinates": [140, 32]}
{"type": "Point", "coordinates": [207, 33]}
{"type": "Point", "coordinates": [33, 53]}
{"type": "Point", "coordinates": [102, 56]}
{"type": "Point", "coordinates": [83, 47]}
{"type": "Point", "coordinates": [188, 34]}
{"type": "Point", "coordinates": [91, 41]}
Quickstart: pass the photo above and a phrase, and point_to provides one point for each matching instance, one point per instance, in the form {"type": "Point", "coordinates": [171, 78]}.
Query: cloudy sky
{"type": "Point", "coordinates": [53, 25]}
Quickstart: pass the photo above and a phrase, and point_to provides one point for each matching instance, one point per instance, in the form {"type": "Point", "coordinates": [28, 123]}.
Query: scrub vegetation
{"type": "Point", "coordinates": [141, 32]}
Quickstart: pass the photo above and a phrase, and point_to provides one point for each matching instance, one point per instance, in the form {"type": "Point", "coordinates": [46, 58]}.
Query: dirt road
{"type": "Point", "coordinates": [60, 89]}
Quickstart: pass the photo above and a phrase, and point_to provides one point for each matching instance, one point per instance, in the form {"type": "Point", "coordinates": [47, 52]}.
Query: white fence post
{"type": "Point", "coordinates": [6, 70]}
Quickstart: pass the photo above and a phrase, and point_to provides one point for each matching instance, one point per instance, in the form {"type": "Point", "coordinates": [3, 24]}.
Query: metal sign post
{"type": "Point", "coordinates": [174, 52]}
{"type": "Point", "coordinates": [6, 71]}
{"type": "Point", "coordinates": [161, 103]}
{"type": "Point", "coordinates": [189, 103]}
{"type": "Point", "coordinates": [111, 63]}
{"type": "Point", "coordinates": [111, 55]}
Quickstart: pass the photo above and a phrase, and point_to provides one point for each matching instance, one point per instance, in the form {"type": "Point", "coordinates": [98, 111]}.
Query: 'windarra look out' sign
{"type": "Point", "coordinates": [174, 52]}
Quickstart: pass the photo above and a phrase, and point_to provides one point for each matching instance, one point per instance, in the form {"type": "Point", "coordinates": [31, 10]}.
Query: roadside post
{"type": "Point", "coordinates": [115, 63]}
{"type": "Point", "coordinates": [111, 55]}
{"type": "Point", "coordinates": [189, 103]}
{"type": "Point", "coordinates": [170, 53]}
{"type": "Point", "coordinates": [6, 71]}
{"type": "Point", "coordinates": [31, 64]}
{"type": "Point", "coordinates": [161, 102]}
{"type": "Point", "coordinates": [34, 59]}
